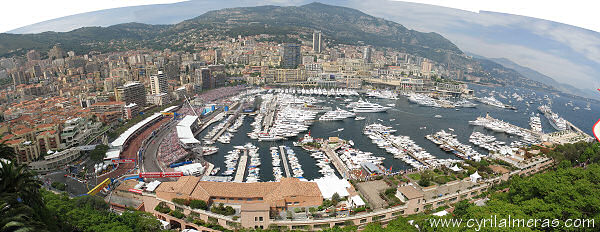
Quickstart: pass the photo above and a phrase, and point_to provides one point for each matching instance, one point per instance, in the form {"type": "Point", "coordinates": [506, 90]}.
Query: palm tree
{"type": "Point", "coordinates": [16, 216]}
{"type": "Point", "coordinates": [7, 152]}
{"type": "Point", "coordinates": [17, 179]}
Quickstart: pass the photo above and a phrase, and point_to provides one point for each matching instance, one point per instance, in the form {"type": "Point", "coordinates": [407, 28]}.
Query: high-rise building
{"type": "Point", "coordinates": [426, 66]}
{"type": "Point", "coordinates": [33, 55]}
{"type": "Point", "coordinates": [56, 52]}
{"type": "Point", "coordinates": [367, 54]}
{"type": "Point", "coordinates": [158, 83]}
{"type": "Point", "coordinates": [218, 56]}
{"type": "Point", "coordinates": [132, 92]}
{"type": "Point", "coordinates": [207, 81]}
{"type": "Point", "coordinates": [291, 56]}
{"type": "Point", "coordinates": [317, 42]}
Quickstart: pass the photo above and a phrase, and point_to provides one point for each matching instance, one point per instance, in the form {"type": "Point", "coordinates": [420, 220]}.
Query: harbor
{"type": "Point", "coordinates": [283, 117]}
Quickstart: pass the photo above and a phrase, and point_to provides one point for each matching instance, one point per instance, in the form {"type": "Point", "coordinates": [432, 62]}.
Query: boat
{"type": "Point", "coordinates": [359, 118]}
{"type": "Point", "coordinates": [215, 171]}
{"type": "Point", "coordinates": [368, 107]}
{"type": "Point", "coordinates": [437, 116]}
{"type": "Point", "coordinates": [556, 121]}
{"type": "Point", "coordinates": [492, 101]}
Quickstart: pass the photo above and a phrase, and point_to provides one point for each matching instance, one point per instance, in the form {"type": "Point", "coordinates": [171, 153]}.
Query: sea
{"type": "Point", "coordinates": [416, 122]}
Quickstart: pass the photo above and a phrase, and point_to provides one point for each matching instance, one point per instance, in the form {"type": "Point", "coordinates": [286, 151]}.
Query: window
{"type": "Point", "coordinates": [364, 220]}
{"type": "Point", "coordinates": [260, 198]}
{"type": "Point", "coordinates": [260, 219]}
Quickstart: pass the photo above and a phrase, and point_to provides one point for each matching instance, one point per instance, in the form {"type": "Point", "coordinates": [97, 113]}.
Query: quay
{"type": "Point", "coordinates": [285, 163]}
{"type": "Point", "coordinates": [241, 169]}
{"type": "Point", "coordinates": [407, 151]}
{"type": "Point", "coordinates": [227, 125]}
{"type": "Point", "coordinates": [539, 135]}
{"type": "Point", "coordinates": [335, 159]}
{"type": "Point", "coordinates": [209, 169]}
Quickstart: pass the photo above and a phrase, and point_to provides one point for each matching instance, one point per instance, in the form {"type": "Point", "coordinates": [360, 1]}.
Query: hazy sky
{"type": "Point", "coordinates": [581, 13]}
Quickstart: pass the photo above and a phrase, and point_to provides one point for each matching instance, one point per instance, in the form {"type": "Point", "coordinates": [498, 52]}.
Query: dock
{"type": "Point", "coordinates": [209, 169]}
{"type": "Point", "coordinates": [225, 128]}
{"type": "Point", "coordinates": [337, 162]}
{"type": "Point", "coordinates": [285, 163]}
{"type": "Point", "coordinates": [407, 151]}
{"type": "Point", "coordinates": [241, 169]}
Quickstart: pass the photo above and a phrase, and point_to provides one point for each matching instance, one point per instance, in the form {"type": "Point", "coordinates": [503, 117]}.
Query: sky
{"type": "Point", "coordinates": [581, 13]}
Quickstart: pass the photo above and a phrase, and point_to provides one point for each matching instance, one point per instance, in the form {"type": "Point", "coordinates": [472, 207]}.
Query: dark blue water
{"type": "Point", "coordinates": [415, 121]}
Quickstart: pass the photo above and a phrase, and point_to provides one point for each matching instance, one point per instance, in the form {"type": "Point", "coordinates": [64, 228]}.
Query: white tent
{"type": "Point", "coordinates": [474, 177]}
{"type": "Point", "coordinates": [441, 213]}
{"type": "Point", "coordinates": [331, 184]}
{"type": "Point", "coordinates": [356, 201]}
{"type": "Point", "coordinates": [456, 168]}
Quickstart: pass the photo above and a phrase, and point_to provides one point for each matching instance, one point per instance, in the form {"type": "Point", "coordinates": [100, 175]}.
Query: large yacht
{"type": "Point", "coordinates": [367, 107]}
{"type": "Point", "coordinates": [556, 121]}
{"type": "Point", "coordinates": [492, 101]}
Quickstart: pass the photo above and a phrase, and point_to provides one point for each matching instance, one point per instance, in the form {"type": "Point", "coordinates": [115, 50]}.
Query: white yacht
{"type": "Point", "coordinates": [368, 107]}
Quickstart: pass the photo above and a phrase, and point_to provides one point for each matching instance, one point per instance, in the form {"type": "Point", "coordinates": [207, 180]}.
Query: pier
{"type": "Point", "coordinates": [241, 169]}
{"type": "Point", "coordinates": [335, 159]}
{"type": "Point", "coordinates": [285, 163]}
{"type": "Point", "coordinates": [227, 125]}
{"type": "Point", "coordinates": [209, 169]}
{"type": "Point", "coordinates": [539, 135]}
{"type": "Point", "coordinates": [407, 151]}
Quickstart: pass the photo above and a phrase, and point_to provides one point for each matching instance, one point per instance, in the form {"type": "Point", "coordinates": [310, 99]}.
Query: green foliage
{"type": "Point", "coordinates": [59, 185]}
{"type": "Point", "coordinates": [177, 214]}
{"type": "Point", "coordinates": [180, 201]}
{"type": "Point", "coordinates": [223, 210]}
{"type": "Point", "coordinates": [90, 213]}
{"type": "Point", "coordinates": [198, 204]}
{"type": "Point", "coordinates": [162, 207]}
{"type": "Point", "coordinates": [99, 152]}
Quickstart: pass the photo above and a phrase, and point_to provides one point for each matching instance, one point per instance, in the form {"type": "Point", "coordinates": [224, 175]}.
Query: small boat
{"type": "Point", "coordinates": [341, 129]}
{"type": "Point", "coordinates": [359, 118]}
{"type": "Point", "coordinates": [215, 171]}
{"type": "Point", "coordinates": [391, 105]}
{"type": "Point", "coordinates": [351, 143]}
{"type": "Point", "coordinates": [437, 116]}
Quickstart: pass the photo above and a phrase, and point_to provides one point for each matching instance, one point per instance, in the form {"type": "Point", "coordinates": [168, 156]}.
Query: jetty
{"type": "Point", "coordinates": [285, 162]}
{"type": "Point", "coordinates": [241, 169]}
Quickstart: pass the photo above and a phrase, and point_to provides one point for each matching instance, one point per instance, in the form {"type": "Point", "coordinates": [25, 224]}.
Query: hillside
{"type": "Point", "coordinates": [539, 77]}
{"type": "Point", "coordinates": [340, 24]}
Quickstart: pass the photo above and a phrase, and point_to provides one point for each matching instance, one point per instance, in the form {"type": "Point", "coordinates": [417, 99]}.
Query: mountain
{"type": "Point", "coordinates": [339, 24]}
{"type": "Point", "coordinates": [536, 76]}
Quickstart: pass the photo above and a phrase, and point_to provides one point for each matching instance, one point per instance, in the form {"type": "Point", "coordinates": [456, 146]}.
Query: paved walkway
{"type": "Point", "coordinates": [241, 169]}
{"type": "Point", "coordinates": [285, 163]}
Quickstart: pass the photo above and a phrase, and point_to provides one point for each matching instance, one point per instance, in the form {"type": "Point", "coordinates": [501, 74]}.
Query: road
{"type": "Point", "coordinates": [131, 151]}
{"type": "Point", "coordinates": [149, 160]}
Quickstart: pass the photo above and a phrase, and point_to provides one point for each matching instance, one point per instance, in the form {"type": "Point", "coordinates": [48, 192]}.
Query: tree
{"type": "Point", "coordinates": [17, 179]}
{"type": "Point", "coordinates": [6, 152]}
{"type": "Point", "coordinates": [335, 198]}
{"type": "Point", "coordinates": [99, 152]}
{"type": "Point", "coordinates": [198, 204]}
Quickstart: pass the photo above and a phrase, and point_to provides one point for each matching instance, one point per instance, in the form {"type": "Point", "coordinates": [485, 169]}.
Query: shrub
{"type": "Point", "coordinates": [59, 185]}
{"type": "Point", "coordinates": [177, 214]}
{"type": "Point", "coordinates": [180, 201]}
{"type": "Point", "coordinates": [220, 209]}
{"type": "Point", "coordinates": [198, 204]}
{"type": "Point", "coordinates": [162, 208]}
